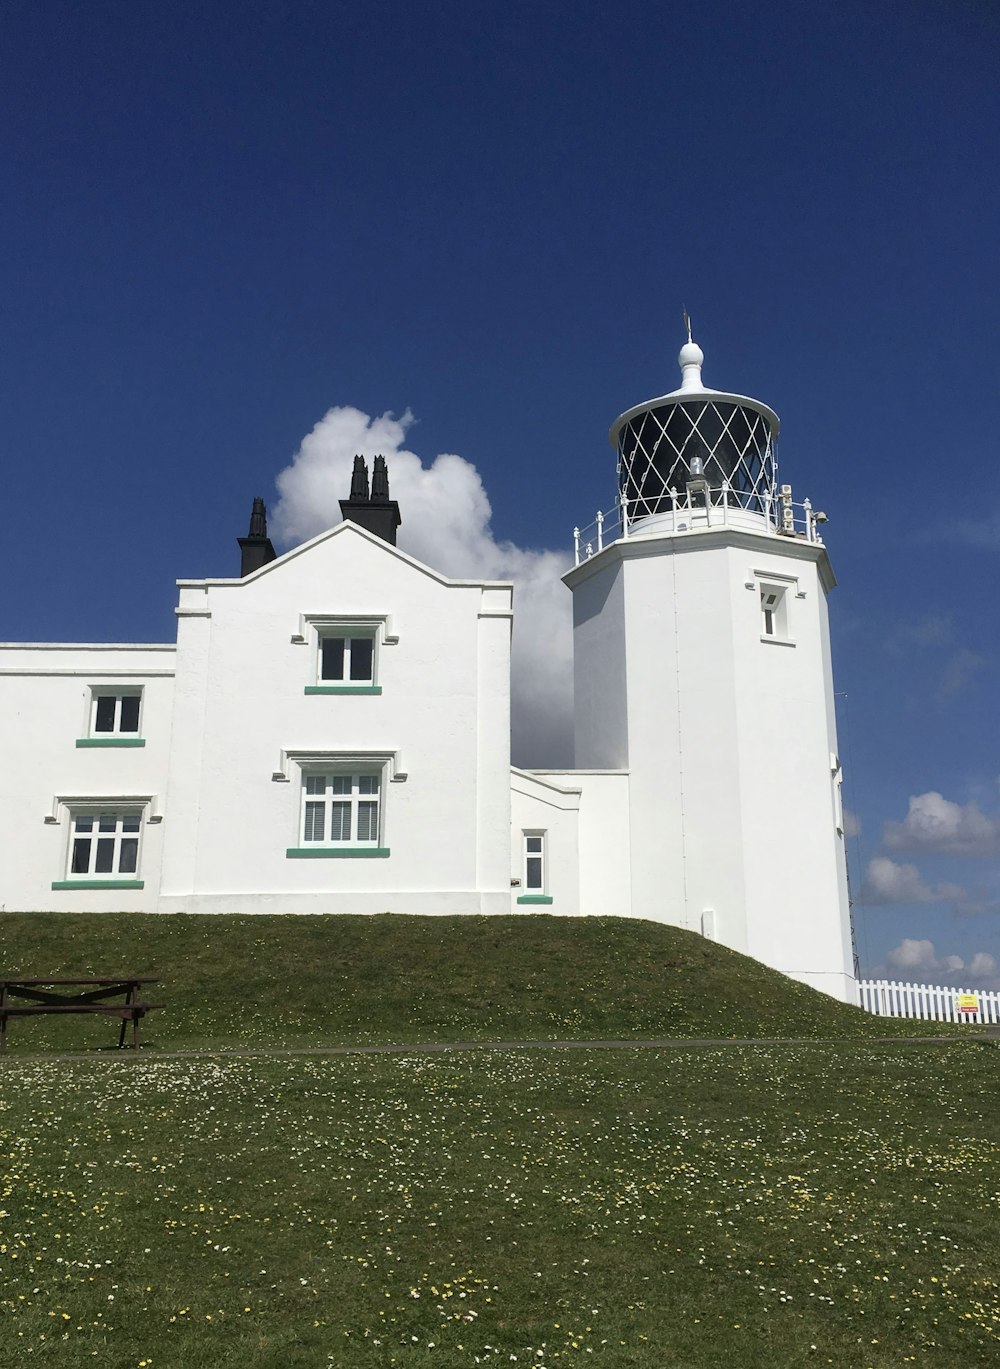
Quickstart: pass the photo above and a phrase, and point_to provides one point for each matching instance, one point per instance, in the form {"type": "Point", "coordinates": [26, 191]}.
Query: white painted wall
{"type": "Point", "coordinates": [247, 651]}
{"type": "Point", "coordinates": [791, 736]}
{"type": "Point", "coordinates": [600, 695]}
{"type": "Point", "coordinates": [729, 740]}
{"type": "Point", "coordinates": [550, 804]}
{"type": "Point", "coordinates": [602, 843]}
{"type": "Point", "coordinates": [45, 707]}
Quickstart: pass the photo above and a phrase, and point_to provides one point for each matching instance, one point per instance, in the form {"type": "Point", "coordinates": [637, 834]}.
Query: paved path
{"type": "Point", "coordinates": [991, 1036]}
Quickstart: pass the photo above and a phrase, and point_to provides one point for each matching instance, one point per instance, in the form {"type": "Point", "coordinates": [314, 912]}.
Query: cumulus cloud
{"type": "Point", "coordinates": [982, 965]}
{"type": "Point", "coordinates": [935, 824]}
{"type": "Point", "coordinates": [913, 958]}
{"type": "Point", "coordinates": [889, 882]}
{"type": "Point", "coordinates": [446, 524]}
{"type": "Point", "coordinates": [852, 824]}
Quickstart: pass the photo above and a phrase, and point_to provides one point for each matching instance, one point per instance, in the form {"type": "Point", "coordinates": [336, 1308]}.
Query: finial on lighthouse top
{"type": "Point", "coordinates": [690, 360]}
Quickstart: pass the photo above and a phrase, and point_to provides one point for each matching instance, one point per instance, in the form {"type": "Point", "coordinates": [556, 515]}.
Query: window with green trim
{"type": "Point", "coordinates": [341, 809]}
{"type": "Point", "coordinates": [534, 863]}
{"type": "Point", "coordinates": [104, 845]}
{"type": "Point", "coordinates": [115, 718]}
{"type": "Point", "coordinates": [116, 713]}
{"type": "Point", "coordinates": [347, 660]}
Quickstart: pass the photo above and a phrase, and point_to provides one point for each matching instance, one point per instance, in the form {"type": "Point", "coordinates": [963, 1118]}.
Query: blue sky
{"type": "Point", "coordinates": [223, 221]}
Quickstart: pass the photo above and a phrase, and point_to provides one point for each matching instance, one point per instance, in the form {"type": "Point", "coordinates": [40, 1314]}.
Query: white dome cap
{"type": "Point", "coordinates": [690, 359]}
{"type": "Point", "coordinates": [690, 355]}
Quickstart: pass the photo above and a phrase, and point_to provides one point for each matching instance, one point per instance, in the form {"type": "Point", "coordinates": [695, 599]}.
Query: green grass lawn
{"type": "Point", "coordinates": [233, 981]}
{"type": "Point", "coordinates": [741, 1206]}
{"type": "Point", "coordinates": [834, 1202]}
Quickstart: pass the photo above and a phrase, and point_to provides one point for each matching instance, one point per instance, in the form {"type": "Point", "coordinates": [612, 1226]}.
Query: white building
{"type": "Point", "coordinates": [330, 732]}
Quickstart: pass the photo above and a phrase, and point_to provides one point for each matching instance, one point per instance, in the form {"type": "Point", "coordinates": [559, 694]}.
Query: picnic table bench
{"type": "Point", "coordinates": [32, 997]}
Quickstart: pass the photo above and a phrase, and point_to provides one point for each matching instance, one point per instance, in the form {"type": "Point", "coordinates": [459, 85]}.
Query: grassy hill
{"type": "Point", "coordinates": [231, 981]}
{"type": "Point", "coordinates": [820, 1203]}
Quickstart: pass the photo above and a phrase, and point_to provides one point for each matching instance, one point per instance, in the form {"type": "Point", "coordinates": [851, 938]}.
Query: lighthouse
{"type": "Point", "coordinates": [702, 670]}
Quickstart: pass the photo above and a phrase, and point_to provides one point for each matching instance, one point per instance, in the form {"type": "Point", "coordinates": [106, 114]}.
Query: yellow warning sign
{"type": "Point", "coordinates": [967, 1002]}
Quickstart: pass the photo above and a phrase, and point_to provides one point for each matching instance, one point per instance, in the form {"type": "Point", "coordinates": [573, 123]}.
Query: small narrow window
{"type": "Point", "coordinates": [534, 862]}
{"type": "Point", "coordinates": [773, 612]}
{"type": "Point", "coordinates": [769, 601]}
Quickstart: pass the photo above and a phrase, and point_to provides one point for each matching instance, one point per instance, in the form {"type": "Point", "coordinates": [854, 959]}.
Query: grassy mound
{"type": "Point", "coordinates": [787, 1206]}
{"type": "Point", "coordinates": [236, 981]}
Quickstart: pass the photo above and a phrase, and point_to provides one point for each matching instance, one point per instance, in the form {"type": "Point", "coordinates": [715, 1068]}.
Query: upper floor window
{"type": "Point", "coordinates": [115, 717]}
{"type": "Point", "coordinates": [774, 625]}
{"type": "Point", "coordinates": [347, 660]}
{"type": "Point", "coordinates": [770, 609]}
{"type": "Point", "coordinates": [116, 712]}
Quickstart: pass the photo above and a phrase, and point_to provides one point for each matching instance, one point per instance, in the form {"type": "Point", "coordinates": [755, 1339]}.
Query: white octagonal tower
{"type": "Point", "coordinates": [702, 667]}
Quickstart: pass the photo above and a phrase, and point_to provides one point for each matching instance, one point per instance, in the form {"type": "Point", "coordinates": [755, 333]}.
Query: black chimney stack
{"type": "Point", "coordinates": [380, 481]}
{"type": "Point", "coordinates": [256, 549]}
{"type": "Point", "coordinates": [375, 512]}
{"type": "Point", "coordinates": [359, 480]}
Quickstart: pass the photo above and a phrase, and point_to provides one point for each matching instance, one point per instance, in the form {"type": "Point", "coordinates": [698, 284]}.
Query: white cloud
{"type": "Point", "coordinates": [889, 882]}
{"type": "Point", "coordinates": [913, 958]}
{"type": "Point", "coordinates": [982, 965]}
{"type": "Point", "coordinates": [446, 523]}
{"type": "Point", "coordinates": [852, 824]}
{"type": "Point", "coordinates": [935, 824]}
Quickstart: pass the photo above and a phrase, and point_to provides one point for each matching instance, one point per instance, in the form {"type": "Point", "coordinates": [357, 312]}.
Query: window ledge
{"type": "Point", "coordinates": [343, 689]}
{"type": "Point", "coordinates": [98, 884]}
{"type": "Point", "coordinates": [111, 741]}
{"type": "Point", "coordinates": [534, 898]}
{"type": "Point", "coordinates": [777, 641]}
{"type": "Point", "coordinates": [335, 852]}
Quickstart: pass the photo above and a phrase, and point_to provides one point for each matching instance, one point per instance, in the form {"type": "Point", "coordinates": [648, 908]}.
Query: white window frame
{"type": "Point", "coordinates": [349, 636]}
{"type": "Point", "coordinates": [118, 835]}
{"type": "Point", "coordinates": [774, 596]}
{"type": "Point", "coordinates": [528, 853]}
{"type": "Point", "coordinates": [118, 693]}
{"type": "Point", "coordinates": [315, 628]}
{"type": "Point", "coordinates": [332, 801]}
{"type": "Point", "coordinates": [772, 605]}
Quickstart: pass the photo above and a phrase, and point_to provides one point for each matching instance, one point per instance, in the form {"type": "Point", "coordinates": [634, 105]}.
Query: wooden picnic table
{"type": "Point", "coordinates": [33, 997]}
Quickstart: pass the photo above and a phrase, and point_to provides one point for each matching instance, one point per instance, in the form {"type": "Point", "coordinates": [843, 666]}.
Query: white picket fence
{"type": "Point", "coordinates": [932, 1002]}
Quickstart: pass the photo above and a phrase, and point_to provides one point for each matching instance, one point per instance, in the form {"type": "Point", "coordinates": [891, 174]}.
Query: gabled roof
{"type": "Point", "coordinates": [349, 529]}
